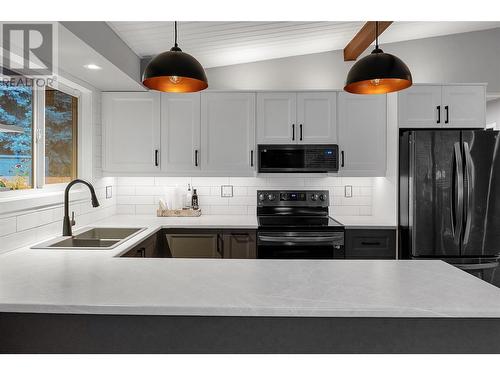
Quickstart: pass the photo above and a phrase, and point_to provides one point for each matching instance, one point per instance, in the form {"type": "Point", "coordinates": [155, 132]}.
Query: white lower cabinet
{"type": "Point", "coordinates": [181, 132]}
{"type": "Point", "coordinates": [228, 133]}
{"type": "Point", "coordinates": [131, 132]}
{"type": "Point", "coordinates": [362, 134]}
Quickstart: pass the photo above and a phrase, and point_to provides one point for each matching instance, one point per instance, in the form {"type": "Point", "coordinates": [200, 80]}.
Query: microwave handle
{"type": "Point", "coordinates": [342, 159]}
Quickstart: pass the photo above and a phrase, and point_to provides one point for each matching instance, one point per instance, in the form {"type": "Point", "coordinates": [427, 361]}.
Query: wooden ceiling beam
{"type": "Point", "coordinates": [363, 39]}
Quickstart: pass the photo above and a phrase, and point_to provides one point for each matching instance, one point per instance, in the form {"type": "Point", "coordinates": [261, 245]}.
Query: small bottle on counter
{"type": "Point", "coordinates": [194, 200]}
{"type": "Point", "coordinates": [189, 197]}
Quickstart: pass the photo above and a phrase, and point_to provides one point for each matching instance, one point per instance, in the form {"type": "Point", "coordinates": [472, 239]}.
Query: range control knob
{"type": "Point", "coordinates": [314, 197]}
{"type": "Point", "coordinates": [271, 197]}
{"type": "Point", "coordinates": [262, 197]}
{"type": "Point", "coordinates": [322, 197]}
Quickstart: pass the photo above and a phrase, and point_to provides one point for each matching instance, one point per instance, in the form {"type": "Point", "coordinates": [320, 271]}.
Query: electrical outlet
{"type": "Point", "coordinates": [348, 191]}
{"type": "Point", "coordinates": [109, 192]}
{"type": "Point", "coordinates": [226, 191]}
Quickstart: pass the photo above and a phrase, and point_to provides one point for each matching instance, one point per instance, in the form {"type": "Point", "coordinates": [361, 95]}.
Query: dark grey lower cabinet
{"type": "Point", "coordinates": [146, 249]}
{"type": "Point", "coordinates": [370, 243]}
{"type": "Point", "coordinates": [211, 243]}
{"type": "Point", "coordinates": [240, 244]}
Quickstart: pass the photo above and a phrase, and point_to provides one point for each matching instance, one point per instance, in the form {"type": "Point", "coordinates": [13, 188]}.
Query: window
{"type": "Point", "coordinates": [60, 136]}
{"type": "Point", "coordinates": [26, 114]}
{"type": "Point", "coordinates": [16, 147]}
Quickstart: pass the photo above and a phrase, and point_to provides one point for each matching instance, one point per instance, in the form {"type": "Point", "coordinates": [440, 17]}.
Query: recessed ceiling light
{"type": "Point", "coordinates": [92, 67]}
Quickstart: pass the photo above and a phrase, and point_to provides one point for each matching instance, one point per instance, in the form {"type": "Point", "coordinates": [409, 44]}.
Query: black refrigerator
{"type": "Point", "coordinates": [449, 197]}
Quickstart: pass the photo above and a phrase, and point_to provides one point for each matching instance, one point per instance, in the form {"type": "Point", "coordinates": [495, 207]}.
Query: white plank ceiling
{"type": "Point", "coordinates": [227, 43]}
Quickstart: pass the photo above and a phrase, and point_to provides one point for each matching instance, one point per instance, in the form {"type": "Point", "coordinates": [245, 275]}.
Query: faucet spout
{"type": "Point", "coordinates": [67, 223]}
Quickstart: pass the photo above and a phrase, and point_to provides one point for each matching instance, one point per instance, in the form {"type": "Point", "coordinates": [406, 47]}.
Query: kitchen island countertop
{"type": "Point", "coordinates": [99, 282]}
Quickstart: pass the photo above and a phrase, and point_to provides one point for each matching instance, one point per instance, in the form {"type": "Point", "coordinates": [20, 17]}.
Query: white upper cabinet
{"type": "Point", "coordinates": [420, 107]}
{"type": "Point", "coordinates": [448, 106]}
{"type": "Point", "coordinates": [362, 135]}
{"type": "Point", "coordinates": [180, 132]}
{"type": "Point", "coordinates": [228, 132]}
{"type": "Point", "coordinates": [464, 106]}
{"type": "Point", "coordinates": [290, 117]}
{"type": "Point", "coordinates": [276, 117]}
{"type": "Point", "coordinates": [317, 117]}
{"type": "Point", "coordinates": [131, 131]}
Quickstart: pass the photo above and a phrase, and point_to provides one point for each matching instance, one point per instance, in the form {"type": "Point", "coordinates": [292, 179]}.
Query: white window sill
{"type": "Point", "coordinates": [28, 200]}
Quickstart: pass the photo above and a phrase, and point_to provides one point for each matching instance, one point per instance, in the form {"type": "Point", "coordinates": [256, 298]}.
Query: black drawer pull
{"type": "Point", "coordinates": [370, 243]}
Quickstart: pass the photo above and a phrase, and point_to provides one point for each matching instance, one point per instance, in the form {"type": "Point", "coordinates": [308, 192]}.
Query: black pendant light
{"type": "Point", "coordinates": [175, 71]}
{"type": "Point", "coordinates": [378, 73]}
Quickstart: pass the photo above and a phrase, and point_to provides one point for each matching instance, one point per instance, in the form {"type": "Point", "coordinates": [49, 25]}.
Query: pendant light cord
{"type": "Point", "coordinates": [175, 34]}
{"type": "Point", "coordinates": [376, 34]}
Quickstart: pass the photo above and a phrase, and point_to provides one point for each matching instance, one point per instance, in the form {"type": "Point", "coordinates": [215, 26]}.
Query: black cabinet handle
{"type": "Point", "coordinates": [156, 158]}
{"type": "Point", "coordinates": [251, 158]}
{"type": "Point", "coordinates": [342, 159]}
{"type": "Point", "coordinates": [370, 243]}
{"type": "Point", "coordinates": [293, 132]}
{"type": "Point", "coordinates": [220, 246]}
{"type": "Point", "coordinates": [300, 127]}
{"type": "Point", "coordinates": [195, 158]}
{"type": "Point", "coordinates": [447, 114]}
{"type": "Point", "coordinates": [439, 114]}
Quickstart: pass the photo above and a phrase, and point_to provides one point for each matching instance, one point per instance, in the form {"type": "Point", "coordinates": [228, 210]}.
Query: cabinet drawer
{"type": "Point", "coordinates": [371, 244]}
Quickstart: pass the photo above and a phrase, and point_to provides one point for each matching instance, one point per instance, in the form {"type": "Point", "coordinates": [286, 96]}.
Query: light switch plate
{"type": "Point", "coordinates": [348, 191]}
{"type": "Point", "coordinates": [109, 192]}
{"type": "Point", "coordinates": [226, 191]}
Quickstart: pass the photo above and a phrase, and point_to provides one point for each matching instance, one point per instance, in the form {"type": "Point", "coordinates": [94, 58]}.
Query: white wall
{"type": "Point", "coordinates": [467, 57]}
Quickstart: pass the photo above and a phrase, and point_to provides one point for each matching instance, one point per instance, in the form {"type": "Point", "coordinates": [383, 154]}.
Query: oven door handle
{"type": "Point", "coordinates": [297, 239]}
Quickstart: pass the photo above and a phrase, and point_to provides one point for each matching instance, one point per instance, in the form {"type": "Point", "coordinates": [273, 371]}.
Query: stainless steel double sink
{"type": "Point", "coordinates": [102, 238]}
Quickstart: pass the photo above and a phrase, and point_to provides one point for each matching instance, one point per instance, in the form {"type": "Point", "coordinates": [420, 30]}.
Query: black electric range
{"type": "Point", "coordinates": [296, 225]}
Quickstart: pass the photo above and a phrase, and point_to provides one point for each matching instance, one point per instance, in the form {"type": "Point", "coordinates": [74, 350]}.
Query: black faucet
{"type": "Point", "coordinates": [67, 223]}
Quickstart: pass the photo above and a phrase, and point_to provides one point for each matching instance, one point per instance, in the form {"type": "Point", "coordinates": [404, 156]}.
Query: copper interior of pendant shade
{"type": "Point", "coordinates": [384, 85]}
{"type": "Point", "coordinates": [164, 83]}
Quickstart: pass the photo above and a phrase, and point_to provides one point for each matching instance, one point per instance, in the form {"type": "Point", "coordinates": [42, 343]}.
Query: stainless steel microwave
{"type": "Point", "coordinates": [298, 158]}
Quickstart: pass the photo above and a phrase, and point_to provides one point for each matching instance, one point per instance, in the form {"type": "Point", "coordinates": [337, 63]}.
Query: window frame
{"type": "Point", "coordinates": [84, 169]}
{"type": "Point", "coordinates": [40, 138]}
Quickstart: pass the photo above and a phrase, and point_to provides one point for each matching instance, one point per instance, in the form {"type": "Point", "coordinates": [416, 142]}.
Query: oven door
{"type": "Point", "coordinates": [300, 245]}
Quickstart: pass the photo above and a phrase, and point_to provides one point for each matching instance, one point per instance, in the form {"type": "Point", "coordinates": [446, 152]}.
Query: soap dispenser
{"type": "Point", "coordinates": [194, 200]}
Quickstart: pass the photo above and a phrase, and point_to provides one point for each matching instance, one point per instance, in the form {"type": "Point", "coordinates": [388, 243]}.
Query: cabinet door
{"type": "Point", "coordinates": [131, 131]}
{"type": "Point", "coordinates": [194, 245]}
{"type": "Point", "coordinates": [228, 132]}
{"type": "Point", "coordinates": [240, 245]}
{"type": "Point", "coordinates": [276, 118]}
{"type": "Point", "coordinates": [317, 117]}
{"type": "Point", "coordinates": [146, 249]}
{"type": "Point", "coordinates": [420, 107]}
{"type": "Point", "coordinates": [180, 120]}
{"type": "Point", "coordinates": [362, 134]}
{"type": "Point", "coordinates": [464, 106]}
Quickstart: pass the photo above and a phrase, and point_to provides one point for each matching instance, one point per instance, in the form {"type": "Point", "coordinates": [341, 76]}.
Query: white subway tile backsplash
{"type": "Point", "coordinates": [34, 219]}
{"type": "Point", "coordinates": [228, 210]}
{"type": "Point", "coordinates": [142, 198]}
{"type": "Point", "coordinates": [125, 190]}
{"type": "Point", "coordinates": [135, 181]}
{"type": "Point", "coordinates": [209, 181]}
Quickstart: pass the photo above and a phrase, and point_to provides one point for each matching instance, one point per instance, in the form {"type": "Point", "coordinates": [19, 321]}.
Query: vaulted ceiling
{"type": "Point", "coordinates": [227, 43]}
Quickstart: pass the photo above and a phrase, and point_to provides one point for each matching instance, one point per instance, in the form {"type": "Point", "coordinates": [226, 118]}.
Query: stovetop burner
{"type": "Point", "coordinates": [298, 221]}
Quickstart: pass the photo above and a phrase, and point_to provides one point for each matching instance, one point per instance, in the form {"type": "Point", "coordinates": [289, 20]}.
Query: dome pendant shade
{"type": "Point", "coordinates": [175, 71]}
{"type": "Point", "coordinates": [378, 73]}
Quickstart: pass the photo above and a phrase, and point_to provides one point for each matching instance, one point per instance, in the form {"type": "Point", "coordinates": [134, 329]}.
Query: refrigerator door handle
{"type": "Point", "coordinates": [469, 178]}
{"type": "Point", "coordinates": [457, 196]}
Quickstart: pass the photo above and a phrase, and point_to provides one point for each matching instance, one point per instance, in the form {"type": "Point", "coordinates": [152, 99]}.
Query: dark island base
{"type": "Point", "coordinates": [82, 333]}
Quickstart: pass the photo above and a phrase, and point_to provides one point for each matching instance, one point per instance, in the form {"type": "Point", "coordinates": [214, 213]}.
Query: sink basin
{"type": "Point", "coordinates": [103, 238]}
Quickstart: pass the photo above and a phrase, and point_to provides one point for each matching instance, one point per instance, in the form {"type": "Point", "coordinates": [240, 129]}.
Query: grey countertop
{"type": "Point", "coordinates": [99, 282]}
